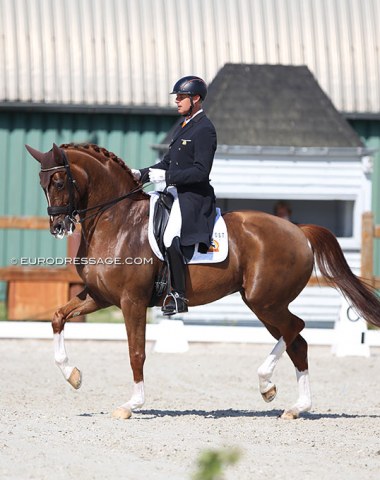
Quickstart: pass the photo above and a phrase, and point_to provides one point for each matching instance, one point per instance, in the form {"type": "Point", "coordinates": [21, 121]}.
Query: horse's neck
{"type": "Point", "coordinates": [125, 222]}
{"type": "Point", "coordinates": [105, 184]}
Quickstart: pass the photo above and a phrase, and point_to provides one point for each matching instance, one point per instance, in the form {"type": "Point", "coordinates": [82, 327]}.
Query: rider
{"type": "Point", "coordinates": [185, 169]}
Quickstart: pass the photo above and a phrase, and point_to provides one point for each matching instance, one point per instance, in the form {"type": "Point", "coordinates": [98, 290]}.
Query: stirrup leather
{"type": "Point", "coordinates": [174, 303]}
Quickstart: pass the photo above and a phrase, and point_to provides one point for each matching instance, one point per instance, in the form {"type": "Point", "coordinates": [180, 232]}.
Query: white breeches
{"type": "Point", "coordinates": [173, 228]}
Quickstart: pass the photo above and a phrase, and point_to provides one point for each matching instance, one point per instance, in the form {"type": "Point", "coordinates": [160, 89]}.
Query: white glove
{"type": "Point", "coordinates": [156, 175]}
{"type": "Point", "coordinates": [136, 173]}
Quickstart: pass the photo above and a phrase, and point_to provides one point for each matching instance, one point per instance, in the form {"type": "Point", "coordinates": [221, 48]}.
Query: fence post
{"type": "Point", "coordinates": [366, 271]}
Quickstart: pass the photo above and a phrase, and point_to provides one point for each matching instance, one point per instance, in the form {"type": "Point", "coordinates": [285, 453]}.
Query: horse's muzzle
{"type": "Point", "coordinates": [62, 227]}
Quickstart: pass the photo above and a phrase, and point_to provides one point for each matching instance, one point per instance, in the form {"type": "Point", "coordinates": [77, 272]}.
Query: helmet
{"type": "Point", "coordinates": [191, 85]}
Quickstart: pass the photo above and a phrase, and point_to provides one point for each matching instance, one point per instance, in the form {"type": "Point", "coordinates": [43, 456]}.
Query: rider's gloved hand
{"type": "Point", "coordinates": [136, 173]}
{"type": "Point", "coordinates": [156, 175]}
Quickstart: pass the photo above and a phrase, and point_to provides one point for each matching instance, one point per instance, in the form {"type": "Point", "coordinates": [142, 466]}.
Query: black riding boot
{"type": "Point", "coordinates": [175, 302]}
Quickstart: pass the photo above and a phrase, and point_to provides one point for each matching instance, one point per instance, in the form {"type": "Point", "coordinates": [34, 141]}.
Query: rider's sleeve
{"type": "Point", "coordinates": [163, 165]}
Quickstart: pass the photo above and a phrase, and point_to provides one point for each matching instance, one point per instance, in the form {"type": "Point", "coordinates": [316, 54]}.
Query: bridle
{"type": "Point", "coordinates": [69, 210]}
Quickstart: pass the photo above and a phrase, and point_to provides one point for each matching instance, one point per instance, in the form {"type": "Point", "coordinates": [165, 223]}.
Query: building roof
{"type": "Point", "coordinates": [129, 53]}
{"type": "Point", "coordinates": [275, 105]}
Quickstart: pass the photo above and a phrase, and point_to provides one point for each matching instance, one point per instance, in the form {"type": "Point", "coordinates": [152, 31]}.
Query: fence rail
{"type": "Point", "coordinates": [23, 281]}
{"type": "Point", "coordinates": [24, 223]}
{"type": "Point", "coordinates": [34, 293]}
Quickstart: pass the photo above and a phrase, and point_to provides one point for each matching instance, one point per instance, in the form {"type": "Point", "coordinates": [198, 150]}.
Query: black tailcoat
{"type": "Point", "coordinates": [188, 164]}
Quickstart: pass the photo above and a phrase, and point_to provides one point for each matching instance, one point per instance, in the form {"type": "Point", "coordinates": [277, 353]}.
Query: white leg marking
{"type": "Point", "coordinates": [265, 371]}
{"type": "Point", "coordinates": [303, 403]}
{"type": "Point", "coordinates": [60, 355]}
{"type": "Point", "coordinates": [138, 398]}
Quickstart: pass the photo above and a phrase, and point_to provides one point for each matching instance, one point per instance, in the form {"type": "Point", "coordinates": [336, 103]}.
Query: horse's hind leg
{"type": "Point", "coordinates": [288, 326]}
{"type": "Point", "coordinates": [285, 327]}
{"type": "Point", "coordinates": [297, 351]}
{"type": "Point", "coordinates": [82, 304]}
{"type": "Point", "coordinates": [267, 388]}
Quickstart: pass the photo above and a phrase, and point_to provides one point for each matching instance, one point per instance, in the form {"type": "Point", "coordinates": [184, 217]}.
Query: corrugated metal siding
{"type": "Point", "coordinates": [313, 178]}
{"type": "Point", "coordinates": [130, 52]}
{"type": "Point", "coordinates": [130, 137]}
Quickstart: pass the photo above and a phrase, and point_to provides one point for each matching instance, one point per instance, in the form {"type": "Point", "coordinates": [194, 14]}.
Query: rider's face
{"type": "Point", "coordinates": [183, 103]}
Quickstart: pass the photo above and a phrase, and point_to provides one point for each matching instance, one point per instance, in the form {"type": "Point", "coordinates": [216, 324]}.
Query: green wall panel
{"type": "Point", "coordinates": [369, 131]}
{"type": "Point", "coordinates": [128, 136]}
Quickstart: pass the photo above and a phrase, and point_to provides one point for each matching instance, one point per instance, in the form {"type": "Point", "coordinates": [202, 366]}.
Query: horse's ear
{"type": "Point", "coordinates": [57, 153]}
{"type": "Point", "coordinates": [35, 153]}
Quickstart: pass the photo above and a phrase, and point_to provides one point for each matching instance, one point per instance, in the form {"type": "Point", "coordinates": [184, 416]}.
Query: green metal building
{"type": "Point", "coordinates": [101, 72]}
{"type": "Point", "coordinates": [130, 136]}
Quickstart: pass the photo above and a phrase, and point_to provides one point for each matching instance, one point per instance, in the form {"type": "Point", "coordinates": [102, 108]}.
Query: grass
{"type": "Point", "coordinates": [3, 311]}
{"type": "Point", "coordinates": [107, 315]}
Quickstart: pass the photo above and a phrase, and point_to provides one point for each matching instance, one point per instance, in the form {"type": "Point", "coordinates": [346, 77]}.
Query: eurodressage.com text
{"type": "Point", "coordinates": [49, 261]}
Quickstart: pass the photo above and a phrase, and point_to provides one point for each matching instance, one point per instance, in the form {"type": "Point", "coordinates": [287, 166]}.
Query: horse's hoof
{"type": "Point", "coordinates": [75, 379]}
{"type": "Point", "coordinates": [123, 413]}
{"type": "Point", "coordinates": [270, 394]}
{"type": "Point", "coordinates": [289, 415]}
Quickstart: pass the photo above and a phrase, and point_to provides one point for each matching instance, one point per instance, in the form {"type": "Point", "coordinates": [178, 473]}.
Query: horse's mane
{"type": "Point", "coordinates": [101, 154]}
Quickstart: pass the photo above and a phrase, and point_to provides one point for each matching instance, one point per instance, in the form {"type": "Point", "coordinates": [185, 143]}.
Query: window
{"type": "Point", "coordinates": [336, 215]}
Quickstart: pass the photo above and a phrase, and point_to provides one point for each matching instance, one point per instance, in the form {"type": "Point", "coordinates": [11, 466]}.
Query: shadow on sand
{"type": "Point", "coordinates": [230, 413]}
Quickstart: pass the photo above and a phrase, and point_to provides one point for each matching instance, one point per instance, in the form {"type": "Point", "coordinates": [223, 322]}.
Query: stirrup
{"type": "Point", "coordinates": [176, 304]}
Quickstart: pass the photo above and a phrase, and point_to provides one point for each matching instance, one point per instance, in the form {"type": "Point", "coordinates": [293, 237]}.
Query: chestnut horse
{"type": "Point", "coordinates": [270, 261]}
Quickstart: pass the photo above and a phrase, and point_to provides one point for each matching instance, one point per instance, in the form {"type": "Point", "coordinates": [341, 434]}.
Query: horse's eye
{"type": "Point", "coordinates": [59, 184]}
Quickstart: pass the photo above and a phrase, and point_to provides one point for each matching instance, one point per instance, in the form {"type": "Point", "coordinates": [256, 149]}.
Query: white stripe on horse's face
{"type": "Point", "coordinates": [48, 202]}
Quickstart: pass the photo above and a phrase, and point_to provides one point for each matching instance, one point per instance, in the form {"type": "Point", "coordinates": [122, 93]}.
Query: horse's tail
{"type": "Point", "coordinates": [334, 268]}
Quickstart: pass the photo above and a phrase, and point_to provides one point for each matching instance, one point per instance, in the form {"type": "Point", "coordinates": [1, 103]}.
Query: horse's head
{"type": "Point", "coordinates": [60, 189]}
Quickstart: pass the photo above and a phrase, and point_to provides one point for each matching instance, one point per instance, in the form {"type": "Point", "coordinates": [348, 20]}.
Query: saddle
{"type": "Point", "coordinates": [161, 216]}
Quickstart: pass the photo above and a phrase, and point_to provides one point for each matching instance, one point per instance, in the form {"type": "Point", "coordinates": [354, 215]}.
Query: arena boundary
{"type": "Point", "coordinates": [193, 333]}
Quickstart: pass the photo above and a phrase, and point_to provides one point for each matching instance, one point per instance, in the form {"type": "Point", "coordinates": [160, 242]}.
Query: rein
{"type": "Point", "coordinates": [70, 210]}
{"type": "Point", "coordinates": [103, 206]}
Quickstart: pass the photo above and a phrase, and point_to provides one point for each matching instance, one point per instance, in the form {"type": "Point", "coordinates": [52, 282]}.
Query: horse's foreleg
{"type": "Point", "coordinates": [268, 389]}
{"type": "Point", "coordinates": [135, 321]}
{"type": "Point", "coordinates": [82, 304]}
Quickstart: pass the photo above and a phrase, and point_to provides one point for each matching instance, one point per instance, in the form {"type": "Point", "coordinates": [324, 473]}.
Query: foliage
{"type": "Point", "coordinates": [111, 315]}
{"type": "Point", "coordinates": [107, 315]}
{"type": "Point", "coordinates": [211, 463]}
{"type": "Point", "coordinates": [3, 311]}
